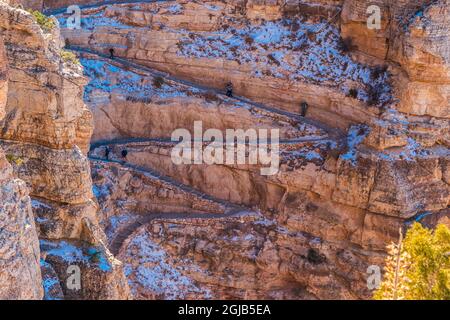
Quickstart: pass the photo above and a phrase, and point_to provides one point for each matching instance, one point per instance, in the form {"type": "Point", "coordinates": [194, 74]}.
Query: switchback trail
{"type": "Point", "coordinates": [231, 210]}
{"type": "Point", "coordinates": [230, 207]}
{"type": "Point", "coordinates": [124, 141]}
{"type": "Point", "coordinates": [117, 241]}
{"type": "Point", "coordinates": [50, 12]}
{"type": "Point", "coordinates": [334, 133]}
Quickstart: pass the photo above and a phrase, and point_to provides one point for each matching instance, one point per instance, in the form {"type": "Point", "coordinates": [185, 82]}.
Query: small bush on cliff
{"type": "Point", "coordinates": [69, 57]}
{"type": "Point", "coordinates": [374, 93]}
{"type": "Point", "coordinates": [210, 96]}
{"type": "Point", "coordinates": [418, 268]}
{"type": "Point", "coordinates": [47, 24]}
{"type": "Point", "coordinates": [378, 72]}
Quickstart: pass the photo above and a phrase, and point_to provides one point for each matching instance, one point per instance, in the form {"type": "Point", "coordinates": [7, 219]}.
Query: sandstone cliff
{"type": "Point", "coordinates": [20, 274]}
{"type": "Point", "coordinates": [45, 133]}
{"type": "Point", "coordinates": [370, 156]}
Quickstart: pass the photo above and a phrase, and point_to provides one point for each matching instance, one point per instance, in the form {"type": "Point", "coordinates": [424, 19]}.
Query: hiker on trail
{"type": "Point", "coordinates": [107, 153]}
{"type": "Point", "coordinates": [229, 89]}
{"type": "Point", "coordinates": [304, 109]}
{"type": "Point", "coordinates": [111, 53]}
{"type": "Point", "coordinates": [124, 153]}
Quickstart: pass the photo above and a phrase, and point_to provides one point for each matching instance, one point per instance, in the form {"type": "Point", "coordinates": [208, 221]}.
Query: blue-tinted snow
{"type": "Point", "coordinates": [74, 254]}
{"type": "Point", "coordinates": [90, 22]}
{"type": "Point", "coordinates": [356, 136]}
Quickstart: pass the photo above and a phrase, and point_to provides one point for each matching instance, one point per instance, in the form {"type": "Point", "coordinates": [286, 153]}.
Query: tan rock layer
{"type": "Point", "coordinates": [20, 275]}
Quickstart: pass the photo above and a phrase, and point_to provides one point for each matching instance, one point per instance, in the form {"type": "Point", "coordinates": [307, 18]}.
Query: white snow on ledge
{"type": "Point", "coordinates": [153, 271]}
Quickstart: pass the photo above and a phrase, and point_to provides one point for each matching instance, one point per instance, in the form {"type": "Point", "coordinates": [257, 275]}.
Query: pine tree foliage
{"type": "Point", "coordinates": [418, 268]}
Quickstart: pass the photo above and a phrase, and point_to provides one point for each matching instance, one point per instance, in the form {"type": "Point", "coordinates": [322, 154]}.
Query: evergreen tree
{"type": "Point", "coordinates": [418, 268]}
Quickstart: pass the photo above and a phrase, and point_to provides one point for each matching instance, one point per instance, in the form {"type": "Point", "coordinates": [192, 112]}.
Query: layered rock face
{"type": "Point", "coordinates": [45, 134]}
{"type": "Point", "coordinates": [366, 159]}
{"type": "Point", "coordinates": [128, 103]}
{"type": "Point", "coordinates": [414, 35]}
{"type": "Point", "coordinates": [20, 274]}
{"type": "Point", "coordinates": [198, 41]}
{"type": "Point", "coordinates": [27, 4]}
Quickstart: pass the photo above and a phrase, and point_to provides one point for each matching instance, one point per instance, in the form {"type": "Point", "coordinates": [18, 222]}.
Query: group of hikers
{"type": "Point", "coordinates": [124, 153]}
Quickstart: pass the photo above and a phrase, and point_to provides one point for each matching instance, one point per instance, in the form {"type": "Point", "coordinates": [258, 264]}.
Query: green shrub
{"type": "Point", "coordinates": [70, 57]}
{"type": "Point", "coordinates": [47, 24]}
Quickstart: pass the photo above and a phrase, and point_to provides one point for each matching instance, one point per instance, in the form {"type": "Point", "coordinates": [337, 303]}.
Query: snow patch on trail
{"type": "Point", "coordinates": [75, 254]}
{"type": "Point", "coordinates": [90, 22]}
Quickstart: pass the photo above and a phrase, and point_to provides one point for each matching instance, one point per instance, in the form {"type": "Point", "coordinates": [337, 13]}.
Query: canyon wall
{"type": "Point", "coordinates": [20, 274]}
{"type": "Point", "coordinates": [414, 34]}
{"type": "Point", "coordinates": [46, 133]}
{"type": "Point", "coordinates": [377, 158]}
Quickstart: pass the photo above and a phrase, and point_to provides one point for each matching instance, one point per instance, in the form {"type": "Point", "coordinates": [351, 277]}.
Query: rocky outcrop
{"type": "Point", "coordinates": [28, 4]}
{"type": "Point", "coordinates": [369, 156]}
{"type": "Point", "coordinates": [221, 37]}
{"type": "Point", "coordinates": [46, 132]}
{"type": "Point", "coordinates": [46, 122]}
{"type": "Point", "coordinates": [44, 98]}
{"type": "Point", "coordinates": [354, 204]}
{"type": "Point", "coordinates": [20, 274]}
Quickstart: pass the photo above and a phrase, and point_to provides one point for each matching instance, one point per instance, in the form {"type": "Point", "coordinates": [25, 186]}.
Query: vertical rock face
{"type": "Point", "coordinates": [330, 211]}
{"type": "Point", "coordinates": [3, 79]}
{"type": "Point", "coordinates": [20, 275]}
{"type": "Point", "coordinates": [423, 51]}
{"type": "Point", "coordinates": [28, 4]}
{"type": "Point", "coordinates": [46, 124]}
{"type": "Point", "coordinates": [46, 133]}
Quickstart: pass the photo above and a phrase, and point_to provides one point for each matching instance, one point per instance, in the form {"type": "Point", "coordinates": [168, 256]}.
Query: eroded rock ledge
{"type": "Point", "coordinates": [45, 133]}
{"type": "Point", "coordinates": [371, 155]}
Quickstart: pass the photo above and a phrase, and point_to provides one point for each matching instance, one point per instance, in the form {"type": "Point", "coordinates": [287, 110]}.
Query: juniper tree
{"type": "Point", "coordinates": [418, 268]}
